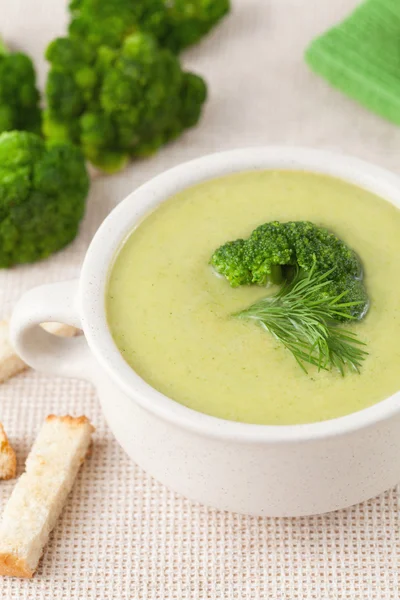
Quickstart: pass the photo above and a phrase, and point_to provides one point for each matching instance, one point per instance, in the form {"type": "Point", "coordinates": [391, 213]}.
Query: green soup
{"type": "Point", "coordinates": [169, 314]}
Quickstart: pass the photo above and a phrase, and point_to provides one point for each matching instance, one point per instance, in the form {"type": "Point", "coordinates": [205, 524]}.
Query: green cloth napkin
{"type": "Point", "coordinates": [361, 57]}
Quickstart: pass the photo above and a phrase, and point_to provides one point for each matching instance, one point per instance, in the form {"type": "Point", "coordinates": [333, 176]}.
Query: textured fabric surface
{"type": "Point", "coordinates": [122, 536]}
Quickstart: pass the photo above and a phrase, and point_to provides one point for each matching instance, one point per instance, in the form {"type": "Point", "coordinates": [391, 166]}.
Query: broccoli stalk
{"type": "Point", "coordinates": [119, 103]}
{"type": "Point", "coordinates": [43, 188]}
{"type": "Point", "coordinates": [19, 97]}
{"type": "Point", "coordinates": [276, 276]}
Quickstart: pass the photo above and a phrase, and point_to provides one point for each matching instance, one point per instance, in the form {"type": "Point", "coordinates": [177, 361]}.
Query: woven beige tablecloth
{"type": "Point", "coordinates": [122, 535]}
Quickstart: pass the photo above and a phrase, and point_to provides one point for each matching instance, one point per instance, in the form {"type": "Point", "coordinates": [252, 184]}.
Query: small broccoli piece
{"type": "Point", "coordinates": [43, 188]}
{"type": "Point", "coordinates": [266, 251]}
{"type": "Point", "coordinates": [193, 94]}
{"type": "Point", "coordinates": [354, 291]}
{"type": "Point", "coordinates": [228, 261]}
{"type": "Point", "coordinates": [276, 251]}
{"type": "Point", "coordinates": [312, 243]}
{"type": "Point", "coordinates": [175, 24]}
{"type": "Point", "coordinates": [121, 103]}
{"type": "Point", "coordinates": [19, 97]}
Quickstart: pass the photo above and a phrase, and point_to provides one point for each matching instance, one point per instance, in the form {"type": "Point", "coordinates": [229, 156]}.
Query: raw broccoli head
{"type": "Point", "coordinates": [122, 103]}
{"type": "Point", "coordinates": [275, 251]}
{"type": "Point", "coordinates": [96, 23]}
{"type": "Point", "coordinates": [187, 22]}
{"type": "Point", "coordinates": [176, 24]}
{"type": "Point", "coordinates": [19, 98]}
{"type": "Point", "coordinates": [43, 189]}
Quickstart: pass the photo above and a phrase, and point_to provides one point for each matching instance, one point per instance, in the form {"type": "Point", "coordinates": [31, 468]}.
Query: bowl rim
{"type": "Point", "coordinates": [126, 217]}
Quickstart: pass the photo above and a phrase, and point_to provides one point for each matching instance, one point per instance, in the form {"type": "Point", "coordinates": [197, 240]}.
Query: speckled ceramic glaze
{"type": "Point", "coordinates": [257, 469]}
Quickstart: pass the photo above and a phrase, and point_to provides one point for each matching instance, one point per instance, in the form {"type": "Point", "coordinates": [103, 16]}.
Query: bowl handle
{"type": "Point", "coordinates": [51, 354]}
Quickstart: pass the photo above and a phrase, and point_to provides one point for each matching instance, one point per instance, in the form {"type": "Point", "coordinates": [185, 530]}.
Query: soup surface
{"type": "Point", "coordinates": [169, 313]}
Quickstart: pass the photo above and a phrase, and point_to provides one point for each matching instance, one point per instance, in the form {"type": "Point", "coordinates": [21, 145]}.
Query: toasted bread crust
{"type": "Point", "coordinates": [12, 566]}
{"type": "Point", "coordinates": [7, 451]}
{"type": "Point", "coordinates": [72, 421]}
{"type": "Point", "coordinates": [11, 470]}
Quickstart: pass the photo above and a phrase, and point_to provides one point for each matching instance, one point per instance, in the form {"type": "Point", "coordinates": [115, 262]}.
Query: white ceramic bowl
{"type": "Point", "coordinates": [261, 470]}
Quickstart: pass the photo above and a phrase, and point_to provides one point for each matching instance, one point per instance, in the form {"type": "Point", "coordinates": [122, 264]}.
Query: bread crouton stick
{"type": "Point", "coordinates": [40, 493]}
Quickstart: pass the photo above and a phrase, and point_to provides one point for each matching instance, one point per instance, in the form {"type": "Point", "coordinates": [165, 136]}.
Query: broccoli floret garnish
{"type": "Point", "coordinates": [43, 188]}
{"type": "Point", "coordinates": [175, 24]}
{"type": "Point", "coordinates": [119, 103]}
{"type": "Point", "coordinates": [322, 287]}
{"type": "Point", "coordinates": [19, 97]}
{"type": "Point", "coordinates": [277, 251]}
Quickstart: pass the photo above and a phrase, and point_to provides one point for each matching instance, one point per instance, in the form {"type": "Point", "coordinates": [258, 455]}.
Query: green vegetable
{"type": "Point", "coordinates": [119, 103]}
{"type": "Point", "coordinates": [19, 98]}
{"type": "Point", "coordinates": [303, 317]}
{"type": "Point", "coordinates": [176, 24]}
{"type": "Point", "coordinates": [323, 286]}
{"type": "Point", "coordinates": [274, 251]}
{"type": "Point", "coordinates": [43, 188]}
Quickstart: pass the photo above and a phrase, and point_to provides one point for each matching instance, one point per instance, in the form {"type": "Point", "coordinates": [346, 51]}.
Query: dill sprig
{"type": "Point", "coordinates": [303, 317]}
